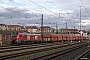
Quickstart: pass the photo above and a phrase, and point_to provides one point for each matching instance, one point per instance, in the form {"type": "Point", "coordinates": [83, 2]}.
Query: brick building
{"type": "Point", "coordinates": [31, 29]}
{"type": "Point", "coordinates": [45, 29]}
{"type": "Point", "coordinates": [5, 36]}
{"type": "Point", "coordinates": [3, 27]}
{"type": "Point", "coordinates": [14, 27]}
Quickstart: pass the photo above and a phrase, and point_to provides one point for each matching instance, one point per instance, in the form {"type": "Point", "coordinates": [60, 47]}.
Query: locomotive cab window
{"type": "Point", "coordinates": [14, 34]}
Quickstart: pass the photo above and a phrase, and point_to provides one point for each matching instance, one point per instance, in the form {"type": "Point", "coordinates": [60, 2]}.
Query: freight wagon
{"type": "Point", "coordinates": [17, 38]}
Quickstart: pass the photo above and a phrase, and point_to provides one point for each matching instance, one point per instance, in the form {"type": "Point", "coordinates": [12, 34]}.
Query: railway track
{"type": "Point", "coordinates": [18, 46]}
{"type": "Point", "coordinates": [23, 47]}
{"type": "Point", "coordinates": [84, 56]}
{"type": "Point", "coordinates": [32, 51]}
{"type": "Point", "coordinates": [54, 55]}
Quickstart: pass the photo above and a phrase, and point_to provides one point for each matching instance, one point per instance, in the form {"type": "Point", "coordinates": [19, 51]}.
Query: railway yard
{"type": "Point", "coordinates": [44, 30]}
{"type": "Point", "coordinates": [47, 51]}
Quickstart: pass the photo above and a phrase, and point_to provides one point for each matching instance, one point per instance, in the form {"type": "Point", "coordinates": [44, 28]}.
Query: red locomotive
{"type": "Point", "coordinates": [17, 38]}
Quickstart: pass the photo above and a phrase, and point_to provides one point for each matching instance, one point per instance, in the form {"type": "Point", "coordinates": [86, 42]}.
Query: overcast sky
{"type": "Point", "coordinates": [29, 12]}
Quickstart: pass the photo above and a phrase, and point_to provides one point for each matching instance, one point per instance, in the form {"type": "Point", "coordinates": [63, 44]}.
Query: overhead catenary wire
{"type": "Point", "coordinates": [33, 9]}
{"type": "Point", "coordinates": [24, 5]}
{"type": "Point", "coordinates": [18, 11]}
{"type": "Point", "coordinates": [66, 12]}
{"type": "Point", "coordinates": [15, 7]}
{"type": "Point", "coordinates": [43, 7]}
{"type": "Point", "coordinates": [84, 7]}
{"type": "Point", "coordinates": [5, 8]}
{"type": "Point", "coordinates": [39, 6]}
{"type": "Point", "coordinates": [57, 6]}
{"type": "Point", "coordinates": [29, 8]}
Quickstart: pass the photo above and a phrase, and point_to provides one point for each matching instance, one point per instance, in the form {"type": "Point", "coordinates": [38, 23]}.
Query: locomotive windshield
{"type": "Point", "coordinates": [14, 34]}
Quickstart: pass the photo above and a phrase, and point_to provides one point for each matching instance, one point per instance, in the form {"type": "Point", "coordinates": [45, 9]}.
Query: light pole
{"type": "Point", "coordinates": [42, 24]}
{"type": "Point", "coordinates": [56, 27]}
{"type": "Point", "coordinates": [74, 30]}
{"type": "Point", "coordinates": [66, 29]}
{"type": "Point", "coordinates": [19, 26]}
{"type": "Point", "coordinates": [80, 20]}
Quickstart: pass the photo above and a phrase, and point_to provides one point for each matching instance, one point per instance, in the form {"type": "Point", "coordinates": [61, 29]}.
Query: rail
{"type": "Point", "coordinates": [32, 51]}
{"type": "Point", "coordinates": [53, 55]}
{"type": "Point", "coordinates": [82, 56]}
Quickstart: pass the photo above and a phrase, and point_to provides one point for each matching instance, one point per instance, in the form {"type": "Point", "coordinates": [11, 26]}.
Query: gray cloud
{"type": "Point", "coordinates": [17, 15]}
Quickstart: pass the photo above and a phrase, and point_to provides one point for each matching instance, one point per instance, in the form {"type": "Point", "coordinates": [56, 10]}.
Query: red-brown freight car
{"type": "Point", "coordinates": [46, 37]}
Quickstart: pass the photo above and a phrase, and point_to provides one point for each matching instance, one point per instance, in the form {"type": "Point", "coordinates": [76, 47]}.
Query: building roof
{"type": "Point", "coordinates": [13, 25]}
{"type": "Point", "coordinates": [84, 31]}
{"type": "Point", "coordinates": [2, 25]}
{"type": "Point", "coordinates": [22, 27]}
{"type": "Point", "coordinates": [72, 31]}
{"type": "Point", "coordinates": [9, 32]}
{"type": "Point", "coordinates": [45, 27]}
{"type": "Point", "coordinates": [69, 29]}
{"type": "Point", "coordinates": [32, 27]}
{"type": "Point", "coordinates": [75, 32]}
